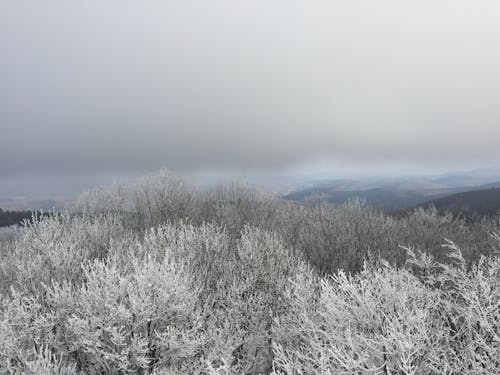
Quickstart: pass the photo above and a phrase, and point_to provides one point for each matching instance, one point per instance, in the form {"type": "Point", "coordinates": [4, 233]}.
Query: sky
{"type": "Point", "coordinates": [119, 87]}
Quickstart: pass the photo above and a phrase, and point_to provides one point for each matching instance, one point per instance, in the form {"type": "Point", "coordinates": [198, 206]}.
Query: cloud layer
{"type": "Point", "coordinates": [132, 85]}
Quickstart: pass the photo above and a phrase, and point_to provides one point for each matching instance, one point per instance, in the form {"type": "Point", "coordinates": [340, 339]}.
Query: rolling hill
{"type": "Point", "coordinates": [400, 193]}
{"type": "Point", "coordinates": [476, 202]}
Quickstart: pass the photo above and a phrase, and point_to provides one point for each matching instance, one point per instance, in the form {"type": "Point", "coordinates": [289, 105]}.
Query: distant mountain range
{"type": "Point", "coordinates": [397, 193]}
{"type": "Point", "coordinates": [392, 194]}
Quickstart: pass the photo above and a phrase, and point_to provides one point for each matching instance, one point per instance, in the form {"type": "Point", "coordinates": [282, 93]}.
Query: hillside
{"type": "Point", "coordinates": [393, 194]}
{"type": "Point", "coordinates": [385, 198]}
{"type": "Point", "coordinates": [481, 202]}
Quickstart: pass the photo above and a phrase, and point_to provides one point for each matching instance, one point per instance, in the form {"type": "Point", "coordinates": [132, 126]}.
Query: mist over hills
{"type": "Point", "coordinates": [395, 193]}
{"type": "Point", "coordinates": [387, 192]}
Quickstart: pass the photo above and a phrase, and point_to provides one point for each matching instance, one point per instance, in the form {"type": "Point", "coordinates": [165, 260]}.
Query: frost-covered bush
{"type": "Point", "coordinates": [163, 197]}
{"type": "Point", "coordinates": [236, 205]}
{"type": "Point", "coordinates": [86, 295]}
{"type": "Point", "coordinates": [7, 236]}
{"type": "Point", "coordinates": [427, 318]}
{"type": "Point", "coordinates": [154, 199]}
{"type": "Point", "coordinates": [193, 299]}
{"type": "Point", "coordinates": [329, 237]}
{"type": "Point", "coordinates": [251, 295]}
{"type": "Point", "coordinates": [206, 248]}
{"type": "Point", "coordinates": [101, 199]}
{"type": "Point", "coordinates": [342, 237]}
{"type": "Point", "coordinates": [157, 277]}
{"type": "Point", "coordinates": [112, 322]}
{"type": "Point", "coordinates": [425, 229]}
{"type": "Point", "coordinates": [242, 287]}
{"type": "Point", "coordinates": [54, 247]}
{"type": "Point", "coordinates": [374, 322]}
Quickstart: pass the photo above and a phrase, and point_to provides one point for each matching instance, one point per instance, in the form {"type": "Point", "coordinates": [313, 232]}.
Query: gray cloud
{"type": "Point", "coordinates": [133, 85]}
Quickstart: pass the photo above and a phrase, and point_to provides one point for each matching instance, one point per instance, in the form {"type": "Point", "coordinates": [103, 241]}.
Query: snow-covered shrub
{"type": "Point", "coordinates": [242, 286]}
{"type": "Point", "coordinates": [375, 322]}
{"type": "Point", "coordinates": [252, 295]}
{"type": "Point", "coordinates": [236, 205]}
{"type": "Point", "coordinates": [180, 298]}
{"type": "Point", "coordinates": [112, 322]}
{"type": "Point", "coordinates": [427, 318]}
{"type": "Point", "coordinates": [101, 199]}
{"type": "Point", "coordinates": [330, 237]}
{"type": "Point", "coordinates": [159, 278]}
{"type": "Point", "coordinates": [152, 200]}
{"type": "Point", "coordinates": [162, 198]}
{"type": "Point", "coordinates": [45, 363]}
{"type": "Point", "coordinates": [425, 229]}
{"type": "Point", "coordinates": [469, 305]}
{"type": "Point", "coordinates": [341, 237]}
{"type": "Point", "coordinates": [205, 248]}
{"type": "Point", "coordinates": [54, 247]}
{"type": "Point", "coordinates": [7, 236]}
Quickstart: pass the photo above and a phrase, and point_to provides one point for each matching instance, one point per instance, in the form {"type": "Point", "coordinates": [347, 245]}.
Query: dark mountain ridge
{"type": "Point", "coordinates": [483, 202]}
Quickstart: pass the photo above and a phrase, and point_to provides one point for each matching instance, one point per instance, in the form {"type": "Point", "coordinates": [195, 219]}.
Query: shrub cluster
{"type": "Point", "coordinates": [424, 318]}
{"type": "Point", "coordinates": [158, 278]}
{"type": "Point", "coordinates": [83, 294]}
{"type": "Point", "coordinates": [329, 237]}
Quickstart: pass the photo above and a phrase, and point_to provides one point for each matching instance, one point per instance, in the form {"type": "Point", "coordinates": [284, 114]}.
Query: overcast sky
{"type": "Point", "coordinates": [92, 86]}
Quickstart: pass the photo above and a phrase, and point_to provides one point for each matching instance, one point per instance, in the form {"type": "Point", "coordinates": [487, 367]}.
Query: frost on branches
{"type": "Point", "coordinates": [424, 318]}
{"type": "Point", "coordinates": [160, 279]}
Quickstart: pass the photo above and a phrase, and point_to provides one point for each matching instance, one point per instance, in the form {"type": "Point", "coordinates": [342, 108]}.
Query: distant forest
{"type": "Point", "coordinates": [472, 204]}
{"type": "Point", "coordinates": [8, 218]}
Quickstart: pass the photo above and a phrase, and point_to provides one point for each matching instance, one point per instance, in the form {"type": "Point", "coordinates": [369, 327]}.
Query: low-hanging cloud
{"type": "Point", "coordinates": [133, 85]}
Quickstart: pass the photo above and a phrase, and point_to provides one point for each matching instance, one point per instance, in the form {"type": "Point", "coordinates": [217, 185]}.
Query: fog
{"type": "Point", "coordinates": [123, 87]}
